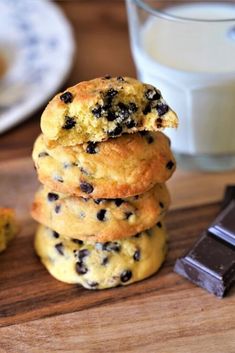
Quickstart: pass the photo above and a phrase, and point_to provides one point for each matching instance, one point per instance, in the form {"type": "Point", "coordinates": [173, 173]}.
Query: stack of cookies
{"type": "Point", "coordinates": [103, 163]}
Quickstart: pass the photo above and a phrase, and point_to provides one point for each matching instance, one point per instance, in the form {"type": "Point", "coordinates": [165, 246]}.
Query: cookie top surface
{"type": "Point", "coordinates": [102, 265]}
{"type": "Point", "coordinates": [100, 219]}
{"type": "Point", "coordinates": [105, 107]}
{"type": "Point", "coordinates": [121, 167]}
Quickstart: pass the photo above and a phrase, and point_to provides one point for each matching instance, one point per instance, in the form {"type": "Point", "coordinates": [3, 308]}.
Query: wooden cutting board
{"type": "Point", "coordinates": [163, 314]}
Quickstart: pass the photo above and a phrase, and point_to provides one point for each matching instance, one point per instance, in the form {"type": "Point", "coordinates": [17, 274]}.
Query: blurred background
{"type": "Point", "coordinates": [100, 32]}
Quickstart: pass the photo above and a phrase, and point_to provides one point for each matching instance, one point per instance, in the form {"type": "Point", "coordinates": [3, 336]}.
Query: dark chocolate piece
{"type": "Point", "coordinates": [210, 265]}
{"type": "Point", "coordinates": [211, 262]}
{"type": "Point", "coordinates": [224, 225]}
{"type": "Point", "coordinates": [228, 195]}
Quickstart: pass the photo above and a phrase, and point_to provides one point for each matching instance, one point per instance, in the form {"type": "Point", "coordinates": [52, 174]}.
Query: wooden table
{"type": "Point", "coordinates": [163, 314]}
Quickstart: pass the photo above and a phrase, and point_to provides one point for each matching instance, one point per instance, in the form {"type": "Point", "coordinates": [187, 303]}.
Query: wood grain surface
{"type": "Point", "coordinates": [164, 313]}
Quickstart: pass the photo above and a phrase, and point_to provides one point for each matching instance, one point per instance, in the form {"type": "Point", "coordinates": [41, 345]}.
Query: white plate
{"type": "Point", "coordinates": [37, 42]}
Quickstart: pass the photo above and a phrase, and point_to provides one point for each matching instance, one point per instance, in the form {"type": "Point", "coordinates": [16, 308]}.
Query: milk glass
{"type": "Point", "coordinates": [187, 49]}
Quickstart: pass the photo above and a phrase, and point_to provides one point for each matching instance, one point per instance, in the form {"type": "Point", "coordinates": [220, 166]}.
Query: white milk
{"type": "Point", "coordinates": [193, 64]}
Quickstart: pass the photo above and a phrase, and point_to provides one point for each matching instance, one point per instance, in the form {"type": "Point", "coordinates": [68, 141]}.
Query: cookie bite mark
{"type": "Point", "coordinates": [98, 105]}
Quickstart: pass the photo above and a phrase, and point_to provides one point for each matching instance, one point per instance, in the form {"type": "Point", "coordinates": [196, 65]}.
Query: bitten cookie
{"type": "Point", "coordinates": [102, 265]}
{"type": "Point", "coordinates": [8, 227]}
{"type": "Point", "coordinates": [100, 219]}
{"type": "Point", "coordinates": [122, 167]}
{"type": "Point", "coordinates": [102, 108]}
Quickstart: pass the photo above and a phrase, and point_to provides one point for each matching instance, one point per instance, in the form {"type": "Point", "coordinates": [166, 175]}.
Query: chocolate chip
{"type": "Point", "coordinates": [104, 261]}
{"type": "Point", "coordinates": [66, 97]}
{"type": "Point", "coordinates": [57, 208]}
{"type": "Point", "coordinates": [136, 197]}
{"type": "Point", "coordinates": [161, 204]}
{"type": "Point", "coordinates": [52, 197]}
{"type": "Point", "coordinates": [147, 109]}
{"type": "Point", "coordinates": [111, 116]}
{"type": "Point", "coordinates": [55, 234]}
{"type": "Point", "coordinates": [138, 235]}
{"type": "Point", "coordinates": [92, 147]}
{"type": "Point", "coordinates": [150, 139]}
{"type": "Point", "coordinates": [128, 214]}
{"type": "Point", "coordinates": [77, 241]}
{"type": "Point", "coordinates": [60, 248]}
{"type": "Point", "coordinates": [152, 94]}
{"type": "Point", "coordinates": [123, 111]}
{"type": "Point", "coordinates": [136, 255]}
{"type": "Point", "coordinates": [116, 132]}
{"type": "Point", "coordinates": [81, 268]}
{"type": "Point", "coordinates": [98, 201]}
{"type": "Point", "coordinates": [120, 78]}
{"type": "Point", "coordinates": [111, 246]}
{"type": "Point", "coordinates": [84, 171]}
{"type": "Point", "coordinates": [43, 154]}
{"type": "Point", "coordinates": [97, 111]}
{"type": "Point", "coordinates": [132, 108]}
{"type": "Point", "coordinates": [118, 202]}
{"type": "Point", "coordinates": [93, 284]}
{"type": "Point", "coordinates": [83, 253]}
{"type": "Point", "coordinates": [86, 187]}
{"type": "Point", "coordinates": [111, 93]}
{"type": "Point", "coordinates": [69, 123]}
{"type": "Point", "coordinates": [126, 276]}
{"type": "Point", "coordinates": [143, 133]}
{"type": "Point", "coordinates": [107, 77]}
{"type": "Point", "coordinates": [130, 124]}
{"type": "Point", "coordinates": [162, 109]}
{"type": "Point", "coordinates": [170, 165]}
{"type": "Point", "coordinates": [101, 215]}
{"type": "Point", "coordinates": [159, 224]}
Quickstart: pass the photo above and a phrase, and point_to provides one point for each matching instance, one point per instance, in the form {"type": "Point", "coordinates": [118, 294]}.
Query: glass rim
{"type": "Point", "coordinates": [148, 8]}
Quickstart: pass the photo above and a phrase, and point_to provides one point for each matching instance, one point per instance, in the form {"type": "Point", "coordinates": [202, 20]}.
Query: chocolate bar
{"type": "Point", "coordinates": [211, 262]}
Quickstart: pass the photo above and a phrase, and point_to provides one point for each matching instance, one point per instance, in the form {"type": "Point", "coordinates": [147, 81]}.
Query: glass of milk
{"type": "Point", "coordinates": [187, 49]}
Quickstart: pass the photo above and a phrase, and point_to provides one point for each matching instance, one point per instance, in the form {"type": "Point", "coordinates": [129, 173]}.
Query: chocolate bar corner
{"type": "Point", "coordinates": [210, 264]}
